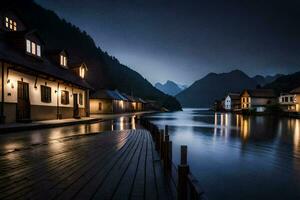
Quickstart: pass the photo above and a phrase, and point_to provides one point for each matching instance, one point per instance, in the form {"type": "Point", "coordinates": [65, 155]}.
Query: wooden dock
{"type": "Point", "coordinates": [109, 165]}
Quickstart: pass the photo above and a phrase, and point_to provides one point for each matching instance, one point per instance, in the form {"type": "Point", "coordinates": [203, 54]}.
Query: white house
{"type": "Point", "coordinates": [37, 84]}
{"type": "Point", "coordinates": [232, 101]}
{"type": "Point", "coordinates": [290, 102]}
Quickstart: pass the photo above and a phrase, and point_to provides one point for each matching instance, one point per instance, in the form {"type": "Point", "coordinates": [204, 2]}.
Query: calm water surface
{"type": "Point", "coordinates": [236, 157]}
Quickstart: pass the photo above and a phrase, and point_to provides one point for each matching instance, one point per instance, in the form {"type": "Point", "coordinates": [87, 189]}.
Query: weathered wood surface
{"type": "Point", "coordinates": [111, 165]}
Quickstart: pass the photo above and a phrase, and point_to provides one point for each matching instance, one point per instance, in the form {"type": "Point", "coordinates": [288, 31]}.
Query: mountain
{"type": "Point", "coordinates": [263, 80]}
{"type": "Point", "coordinates": [285, 83]}
{"type": "Point", "coordinates": [105, 71]}
{"type": "Point", "coordinates": [205, 91]}
{"type": "Point", "coordinates": [169, 88]}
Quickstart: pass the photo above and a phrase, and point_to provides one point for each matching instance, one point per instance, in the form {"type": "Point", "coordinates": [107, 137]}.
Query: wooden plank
{"type": "Point", "coordinates": [161, 184]}
{"type": "Point", "coordinates": [47, 174]}
{"type": "Point", "coordinates": [133, 179]}
{"type": "Point", "coordinates": [118, 165]}
{"type": "Point", "coordinates": [105, 162]}
{"type": "Point", "coordinates": [63, 182]}
{"type": "Point", "coordinates": [150, 183]}
{"type": "Point", "coordinates": [115, 175]}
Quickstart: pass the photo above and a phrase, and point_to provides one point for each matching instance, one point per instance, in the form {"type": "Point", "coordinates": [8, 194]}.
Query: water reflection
{"type": "Point", "coordinates": [20, 140]}
{"type": "Point", "coordinates": [235, 156]}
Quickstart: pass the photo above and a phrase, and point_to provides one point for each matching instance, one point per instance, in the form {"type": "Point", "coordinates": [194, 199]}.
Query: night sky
{"type": "Point", "coordinates": [184, 40]}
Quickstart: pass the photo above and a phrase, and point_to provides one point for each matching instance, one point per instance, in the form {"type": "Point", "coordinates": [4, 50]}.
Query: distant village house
{"type": "Point", "coordinates": [232, 102]}
{"type": "Point", "coordinates": [290, 102]}
{"type": "Point", "coordinates": [257, 100]}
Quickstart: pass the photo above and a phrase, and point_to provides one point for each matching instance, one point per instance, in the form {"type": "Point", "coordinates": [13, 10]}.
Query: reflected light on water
{"type": "Point", "coordinates": [216, 124]}
{"type": "Point", "coordinates": [297, 135]}
{"type": "Point", "coordinates": [133, 122]}
{"type": "Point", "coordinates": [245, 128]}
{"type": "Point", "coordinates": [121, 123]}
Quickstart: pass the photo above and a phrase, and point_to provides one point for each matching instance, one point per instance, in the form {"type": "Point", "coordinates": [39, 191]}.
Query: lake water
{"type": "Point", "coordinates": [236, 157]}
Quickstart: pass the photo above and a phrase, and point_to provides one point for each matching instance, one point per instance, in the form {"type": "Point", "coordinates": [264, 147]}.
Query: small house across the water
{"type": "Point", "coordinates": [290, 102]}
{"type": "Point", "coordinates": [232, 101]}
{"type": "Point", "coordinates": [257, 100]}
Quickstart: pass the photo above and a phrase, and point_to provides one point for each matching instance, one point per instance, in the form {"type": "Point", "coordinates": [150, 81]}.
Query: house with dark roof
{"type": "Point", "coordinates": [37, 83]}
{"type": "Point", "coordinates": [257, 100]}
{"type": "Point", "coordinates": [232, 101]}
{"type": "Point", "coordinates": [290, 102]}
{"type": "Point", "coordinates": [107, 101]}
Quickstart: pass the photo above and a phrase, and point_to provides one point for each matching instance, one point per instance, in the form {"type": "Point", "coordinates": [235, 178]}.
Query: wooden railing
{"type": "Point", "coordinates": [181, 181]}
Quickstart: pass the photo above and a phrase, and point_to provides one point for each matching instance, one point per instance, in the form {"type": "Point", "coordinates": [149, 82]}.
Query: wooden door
{"type": "Point", "coordinates": [23, 105]}
{"type": "Point", "coordinates": [75, 106]}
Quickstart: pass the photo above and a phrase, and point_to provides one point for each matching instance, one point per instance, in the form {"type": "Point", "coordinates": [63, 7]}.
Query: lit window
{"type": "Point", "coordinates": [28, 46]}
{"type": "Point", "coordinates": [6, 22]}
{"type": "Point", "coordinates": [33, 48]}
{"type": "Point", "coordinates": [63, 60]}
{"type": "Point", "coordinates": [81, 72]}
{"type": "Point", "coordinates": [38, 50]}
{"type": "Point", "coordinates": [10, 24]}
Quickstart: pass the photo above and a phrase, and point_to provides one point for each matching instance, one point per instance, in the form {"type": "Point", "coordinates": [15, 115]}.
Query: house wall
{"type": "Point", "coordinates": [245, 101]}
{"type": "Point", "coordinates": [139, 106]}
{"type": "Point", "coordinates": [228, 103]}
{"type": "Point", "coordinates": [118, 106]}
{"type": "Point", "coordinates": [287, 102]}
{"type": "Point", "coordinates": [261, 101]}
{"type": "Point", "coordinates": [107, 106]}
{"type": "Point", "coordinates": [297, 101]}
{"type": "Point", "coordinates": [39, 109]}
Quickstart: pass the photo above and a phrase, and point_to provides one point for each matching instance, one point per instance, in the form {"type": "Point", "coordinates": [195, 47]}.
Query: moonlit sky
{"type": "Point", "coordinates": [184, 40]}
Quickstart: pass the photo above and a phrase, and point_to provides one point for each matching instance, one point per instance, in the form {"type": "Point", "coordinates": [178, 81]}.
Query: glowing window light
{"type": "Point", "coordinates": [81, 72]}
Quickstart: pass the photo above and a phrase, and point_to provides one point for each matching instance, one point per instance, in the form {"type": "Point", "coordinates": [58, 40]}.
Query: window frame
{"type": "Point", "coordinates": [63, 60]}
{"type": "Point", "coordinates": [46, 94]}
{"type": "Point", "coordinates": [80, 99]}
{"type": "Point", "coordinates": [10, 24]}
{"type": "Point", "coordinates": [65, 97]}
{"type": "Point", "coordinates": [33, 48]}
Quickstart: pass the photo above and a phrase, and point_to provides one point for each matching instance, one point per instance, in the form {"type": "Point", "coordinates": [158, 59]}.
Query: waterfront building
{"type": "Point", "coordinates": [232, 101]}
{"type": "Point", "coordinates": [289, 102]}
{"type": "Point", "coordinates": [107, 101]}
{"type": "Point", "coordinates": [37, 83]}
{"type": "Point", "coordinates": [257, 100]}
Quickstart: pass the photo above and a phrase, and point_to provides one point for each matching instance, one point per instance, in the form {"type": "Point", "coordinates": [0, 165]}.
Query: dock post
{"type": "Point", "coordinates": [183, 170]}
{"type": "Point", "coordinates": [166, 152]}
{"type": "Point", "coordinates": [161, 136]}
{"type": "Point", "coordinates": [156, 137]}
{"type": "Point", "coordinates": [167, 130]}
